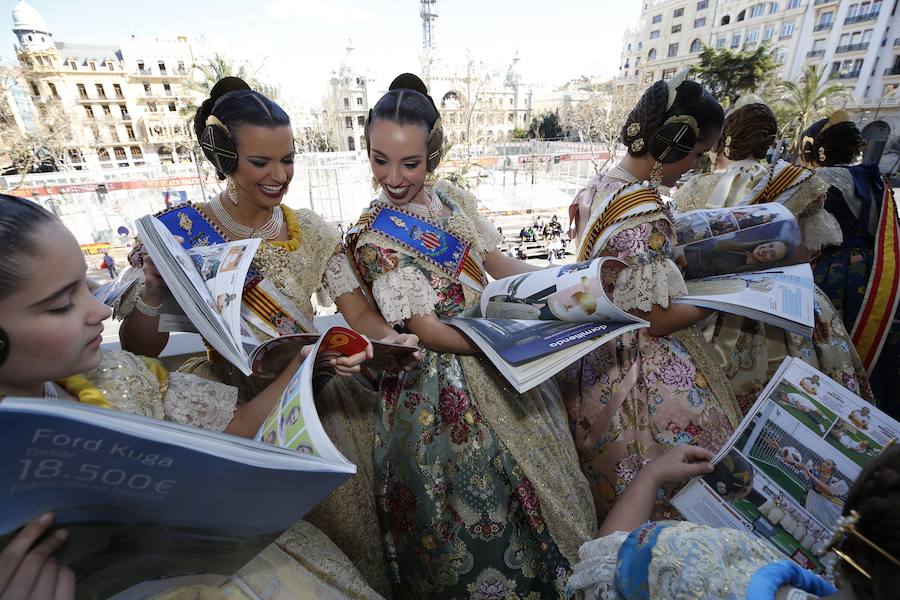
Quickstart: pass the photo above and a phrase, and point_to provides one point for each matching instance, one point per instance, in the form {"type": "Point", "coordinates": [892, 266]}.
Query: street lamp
{"type": "Point", "coordinates": [102, 193]}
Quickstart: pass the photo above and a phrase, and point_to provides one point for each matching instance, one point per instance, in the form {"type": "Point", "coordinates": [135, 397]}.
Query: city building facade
{"type": "Point", "coordinates": [855, 43]}
{"type": "Point", "coordinates": [345, 106]}
{"type": "Point", "coordinates": [122, 104]}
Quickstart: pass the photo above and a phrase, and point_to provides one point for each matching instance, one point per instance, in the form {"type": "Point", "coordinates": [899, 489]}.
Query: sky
{"type": "Point", "coordinates": [298, 43]}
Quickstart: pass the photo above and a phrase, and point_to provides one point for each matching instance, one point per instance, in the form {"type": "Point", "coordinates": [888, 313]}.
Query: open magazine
{"type": "Point", "coordinates": [151, 505]}
{"type": "Point", "coordinates": [723, 241]}
{"type": "Point", "coordinates": [537, 323]}
{"type": "Point", "coordinates": [747, 260]}
{"type": "Point", "coordinates": [783, 296]}
{"type": "Point", "coordinates": [786, 471]}
{"type": "Point", "coordinates": [207, 282]}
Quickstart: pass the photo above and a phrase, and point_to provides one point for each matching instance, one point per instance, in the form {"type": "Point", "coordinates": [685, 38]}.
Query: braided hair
{"type": "Point", "coordinates": [840, 143]}
{"type": "Point", "coordinates": [749, 132]}
{"type": "Point", "coordinates": [20, 220]}
{"type": "Point", "coordinates": [876, 497]}
{"type": "Point", "coordinates": [408, 103]}
{"type": "Point", "coordinates": [647, 118]}
{"type": "Point", "coordinates": [234, 104]}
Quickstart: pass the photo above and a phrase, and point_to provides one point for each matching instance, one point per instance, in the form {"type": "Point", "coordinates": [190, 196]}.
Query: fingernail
{"type": "Point", "coordinates": [61, 534]}
{"type": "Point", "coordinates": [45, 519]}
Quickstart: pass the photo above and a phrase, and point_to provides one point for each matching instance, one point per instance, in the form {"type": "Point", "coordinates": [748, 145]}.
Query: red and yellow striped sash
{"type": "Point", "coordinates": [617, 209]}
{"type": "Point", "coordinates": [880, 301]}
{"type": "Point", "coordinates": [780, 184]}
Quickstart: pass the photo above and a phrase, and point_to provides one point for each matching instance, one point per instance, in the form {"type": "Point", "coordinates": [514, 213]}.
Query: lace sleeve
{"type": "Point", "coordinates": [198, 402]}
{"type": "Point", "coordinates": [650, 277]}
{"type": "Point", "coordinates": [487, 233]}
{"type": "Point", "coordinates": [402, 293]}
{"type": "Point", "coordinates": [595, 574]}
{"type": "Point", "coordinates": [339, 278]}
{"type": "Point", "coordinates": [819, 229]}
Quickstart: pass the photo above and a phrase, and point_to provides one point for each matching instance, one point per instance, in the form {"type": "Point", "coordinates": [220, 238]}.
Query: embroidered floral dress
{"type": "Point", "coordinates": [311, 262]}
{"type": "Point", "coordinates": [304, 563]}
{"type": "Point", "coordinates": [639, 395]}
{"type": "Point", "coordinates": [750, 351]}
{"type": "Point", "coordinates": [478, 487]}
{"type": "Point", "coordinates": [855, 195]}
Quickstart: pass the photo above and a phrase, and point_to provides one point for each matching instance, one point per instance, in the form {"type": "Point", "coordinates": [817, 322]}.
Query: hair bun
{"type": "Point", "coordinates": [689, 91]}
{"type": "Point", "coordinates": [408, 81]}
{"type": "Point", "coordinates": [225, 85]}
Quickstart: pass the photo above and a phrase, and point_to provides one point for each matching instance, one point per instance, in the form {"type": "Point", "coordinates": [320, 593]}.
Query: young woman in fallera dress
{"type": "Point", "coordinates": [479, 491]}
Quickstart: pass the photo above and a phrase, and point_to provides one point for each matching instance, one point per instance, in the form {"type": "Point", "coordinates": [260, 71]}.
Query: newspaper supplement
{"type": "Point", "coordinates": [785, 473]}
{"type": "Point", "coordinates": [783, 296]}
{"type": "Point", "coordinates": [723, 241]}
{"type": "Point", "coordinates": [540, 322]}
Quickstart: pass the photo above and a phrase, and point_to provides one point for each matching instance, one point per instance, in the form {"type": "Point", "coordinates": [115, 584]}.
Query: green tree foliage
{"type": "Point", "coordinates": [545, 126]}
{"type": "Point", "coordinates": [728, 74]}
{"type": "Point", "coordinates": [800, 103]}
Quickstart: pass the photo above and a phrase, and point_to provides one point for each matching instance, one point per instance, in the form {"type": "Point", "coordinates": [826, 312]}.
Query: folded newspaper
{"type": "Point", "coordinates": [152, 505]}
{"type": "Point", "coordinates": [786, 471]}
{"type": "Point", "coordinates": [747, 260]}
{"type": "Point", "coordinates": [537, 323]}
{"type": "Point", "coordinates": [207, 282]}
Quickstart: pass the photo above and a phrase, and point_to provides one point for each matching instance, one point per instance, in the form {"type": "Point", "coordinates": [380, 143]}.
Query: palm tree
{"type": "Point", "coordinates": [806, 99]}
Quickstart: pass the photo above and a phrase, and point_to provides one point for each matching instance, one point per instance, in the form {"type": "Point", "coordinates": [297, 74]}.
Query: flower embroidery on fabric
{"type": "Point", "coordinates": [678, 373]}
{"type": "Point", "coordinates": [630, 242]}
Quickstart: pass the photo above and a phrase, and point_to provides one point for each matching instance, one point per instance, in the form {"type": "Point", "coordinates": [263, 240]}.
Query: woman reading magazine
{"type": "Point", "coordinates": [747, 350]}
{"type": "Point", "coordinates": [648, 391]}
{"type": "Point", "coordinates": [470, 473]}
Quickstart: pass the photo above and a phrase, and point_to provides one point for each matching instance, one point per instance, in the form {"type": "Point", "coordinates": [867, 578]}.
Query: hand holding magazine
{"type": "Point", "coordinates": [207, 282]}
{"type": "Point", "coordinates": [747, 260]}
{"type": "Point", "coordinates": [537, 323]}
{"type": "Point", "coordinates": [152, 505]}
{"type": "Point", "coordinates": [786, 471]}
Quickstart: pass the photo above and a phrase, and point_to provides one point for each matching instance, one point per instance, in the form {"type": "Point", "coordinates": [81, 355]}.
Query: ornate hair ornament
{"type": "Point", "coordinates": [747, 99]}
{"type": "Point", "coordinates": [838, 116]}
{"type": "Point", "coordinates": [637, 145]}
{"type": "Point", "coordinates": [846, 526]}
{"type": "Point", "coordinates": [727, 149]}
{"type": "Point", "coordinates": [218, 145]}
{"type": "Point", "coordinates": [436, 129]}
{"type": "Point", "coordinates": [673, 85]}
{"type": "Point", "coordinates": [821, 154]}
{"type": "Point", "coordinates": [677, 135]}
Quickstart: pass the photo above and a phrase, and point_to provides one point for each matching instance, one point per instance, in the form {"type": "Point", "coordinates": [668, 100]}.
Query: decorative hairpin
{"type": "Point", "coordinates": [633, 129]}
{"type": "Point", "coordinates": [821, 154]}
{"type": "Point", "coordinates": [727, 148]}
{"type": "Point", "coordinates": [845, 526]}
{"type": "Point", "coordinates": [637, 145]}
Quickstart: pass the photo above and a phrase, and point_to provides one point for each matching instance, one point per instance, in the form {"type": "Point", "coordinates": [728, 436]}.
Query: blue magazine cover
{"type": "Point", "coordinates": [145, 499]}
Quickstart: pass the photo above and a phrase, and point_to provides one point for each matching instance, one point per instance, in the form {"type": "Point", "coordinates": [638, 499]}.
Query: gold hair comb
{"type": "Point", "coordinates": [845, 526]}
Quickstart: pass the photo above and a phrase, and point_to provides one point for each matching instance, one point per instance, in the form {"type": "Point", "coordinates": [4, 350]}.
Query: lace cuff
{"type": "Point", "coordinates": [819, 228]}
{"type": "Point", "coordinates": [125, 304]}
{"type": "Point", "coordinates": [595, 573]}
{"type": "Point", "coordinates": [339, 278]}
{"type": "Point", "coordinates": [488, 235]}
{"type": "Point", "coordinates": [402, 293]}
{"type": "Point", "coordinates": [198, 402]}
{"type": "Point", "coordinates": [639, 287]}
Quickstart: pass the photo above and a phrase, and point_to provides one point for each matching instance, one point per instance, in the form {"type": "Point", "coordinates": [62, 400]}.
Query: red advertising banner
{"type": "Point", "coordinates": [90, 188]}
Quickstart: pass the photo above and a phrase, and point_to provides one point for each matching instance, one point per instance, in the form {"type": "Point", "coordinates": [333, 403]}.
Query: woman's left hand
{"type": "Point", "coordinates": [348, 365]}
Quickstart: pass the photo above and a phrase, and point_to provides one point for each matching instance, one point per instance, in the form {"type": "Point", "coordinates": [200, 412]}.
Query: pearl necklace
{"type": "Point", "coordinates": [618, 172]}
{"type": "Point", "coordinates": [269, 230]}
{"type": "Point", "coordinates": [50, 391]}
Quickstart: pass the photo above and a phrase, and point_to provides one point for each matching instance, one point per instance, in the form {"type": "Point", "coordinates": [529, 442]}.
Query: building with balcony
{"type": "Point", "coordinates": [856, 43]}
{"type": "Point", "coordinates": [345, 106]}
{"type": "Point", "coordinates": [121, 102]}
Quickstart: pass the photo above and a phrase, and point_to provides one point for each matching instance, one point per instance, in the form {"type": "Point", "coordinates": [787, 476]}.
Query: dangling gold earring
{"type": "Point", "coordinates": [231, 189]}
{"type": "Point", "coordinates": [656, 174]}
{"type": "Point", "coordinates": [375, 184]}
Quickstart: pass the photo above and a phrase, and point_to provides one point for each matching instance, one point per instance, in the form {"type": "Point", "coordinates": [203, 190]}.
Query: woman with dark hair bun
{"type": "Point", "coordinates": [479, 491]}
{"type": "Point", "coordinates": [853, 274]}
{"type": "Point", "coordinates": [747, 350]}
{"type": "Point", "coordinates": [248, 139]}
{"type": "Point", "coordinates": [654, 389]}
